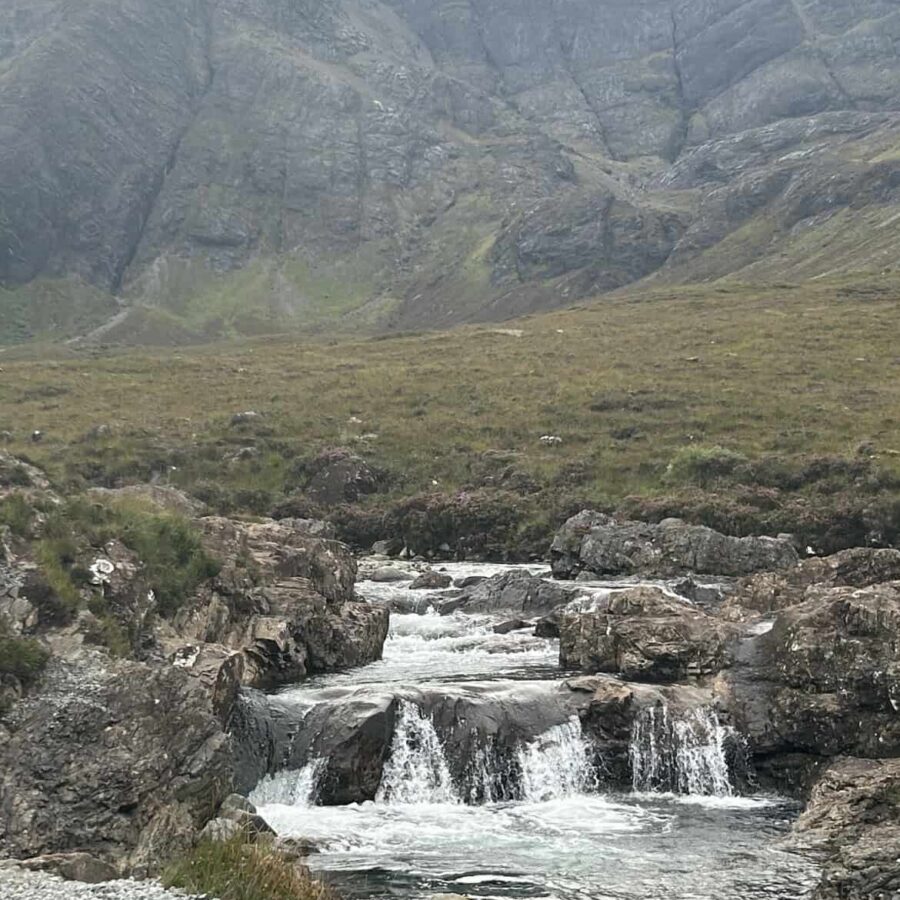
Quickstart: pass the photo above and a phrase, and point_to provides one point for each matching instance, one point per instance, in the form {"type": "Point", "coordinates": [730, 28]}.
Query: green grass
{"type": "Point", "coordinates": [23, 658]}
{"type": "Point", "coordinates": [48, 309]}
{"type": "Point", "coordinates": [174, 562]}
{"type": "Point", "coordinates": [632, 384]}
{"type": "Point", "coordinates": [233, 870]}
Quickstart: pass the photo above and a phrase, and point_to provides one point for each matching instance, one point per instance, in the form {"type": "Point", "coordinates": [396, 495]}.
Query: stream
{"type": "Point", "coordinates": [535, 821]}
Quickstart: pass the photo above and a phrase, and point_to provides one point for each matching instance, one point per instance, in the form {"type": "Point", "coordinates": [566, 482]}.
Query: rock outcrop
{"type": "Point", "coordinates": [283, 602]}
{"type": "Point", "coordinates": [599, 544]}
{"type": "Point", "coordinates": [121, 755]}
{"type": "Point", "coordinates": [824, 680]}
{"type": "Point", "coordinates": [118, 758]}
{"type": "Point", "coordinates": [853, 816]}
{"type": "Point", "coordinates": [475, 162]}
{"type": "Point", "coordinates": [644, 634]}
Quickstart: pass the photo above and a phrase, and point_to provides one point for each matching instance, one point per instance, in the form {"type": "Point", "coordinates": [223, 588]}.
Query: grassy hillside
{"type": "Point", "coordinates": [717, 402]}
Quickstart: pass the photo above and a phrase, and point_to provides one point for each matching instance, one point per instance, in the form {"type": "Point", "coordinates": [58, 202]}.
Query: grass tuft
{"type": "Point", "coordinates": [233, 870]}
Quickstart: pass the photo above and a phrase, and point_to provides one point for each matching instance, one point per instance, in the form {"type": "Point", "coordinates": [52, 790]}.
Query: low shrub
{"type": "Point", "coordinates": [233, 870]}
{"type": "Point", "coordinates": [703, 465]}
{"type": "Point", "coordinates": [24, 658]}
{"type": "Point", "coordinates": [17, 514]}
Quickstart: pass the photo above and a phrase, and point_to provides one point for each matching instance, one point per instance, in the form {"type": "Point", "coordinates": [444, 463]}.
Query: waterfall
{"type": "Point", "coordinates": [291, 787]}
{"type": "Point", "coordinates": [416, 771]}
{"type": "Point", "coordinates": [686, 753]}
{"type": "Point", "coordinates": [557, 764]}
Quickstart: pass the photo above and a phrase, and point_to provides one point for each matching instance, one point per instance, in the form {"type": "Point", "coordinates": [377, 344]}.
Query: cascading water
{"type": "Point", "coordinates": [416, 771]}
{"type": "Point", "coordinates": [557, 764]}
{"type": "Point", "coordinates": [297, 787]}
{"type": "Point", "coordinates": [477, 812]}
{"type": "Point", "coordinates": [683, 753]}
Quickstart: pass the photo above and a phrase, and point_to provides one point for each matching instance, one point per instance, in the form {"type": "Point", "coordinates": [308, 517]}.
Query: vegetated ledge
{"type": "Point", "coordinates": [130, 622]}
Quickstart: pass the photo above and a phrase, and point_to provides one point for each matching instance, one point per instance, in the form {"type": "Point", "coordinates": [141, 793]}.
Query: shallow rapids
{"type": "Point", "coordinates": [430, 833]}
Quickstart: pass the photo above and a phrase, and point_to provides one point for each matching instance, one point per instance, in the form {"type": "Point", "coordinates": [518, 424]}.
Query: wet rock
{"type": "Point", "coordinates": [515, 590]}
{"type": "Point", "coordinates": [824, 679]}
{"type": "Point", "coordinates": [643, 634]}
{"type": "Point", "coordinates": [853, 817]}
{"type": "Point", "coordinates": [354, 727]}
{"type": "Point", "coordinates": [431, 580]}
{"type": "Point", "coordinates": [599, 543]}
{"type": "Point", "coordinates": [548, 626]}
{"type": "Point", "coordinates": [388, 575]}
{"type": "Point", "coordinates": [389, 547]}
{"type": "Point", "coordinates": [296, 848]}
{"type": "Point", "coordinates": [510, 626]}
{"type": "Point", "coordinates": [469, 581]}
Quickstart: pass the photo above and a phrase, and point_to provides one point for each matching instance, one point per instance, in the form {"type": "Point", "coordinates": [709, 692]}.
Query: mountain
{"type": "Point", "coordinates": [181, 169]}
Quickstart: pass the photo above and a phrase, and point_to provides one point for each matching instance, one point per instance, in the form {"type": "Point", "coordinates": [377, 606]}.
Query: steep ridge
{"type": "Point", "coordinates": [248, 165]}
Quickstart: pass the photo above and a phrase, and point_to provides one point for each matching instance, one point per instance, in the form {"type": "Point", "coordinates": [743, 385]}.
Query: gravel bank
{"type": "Point", "coordinates": [16, 884]}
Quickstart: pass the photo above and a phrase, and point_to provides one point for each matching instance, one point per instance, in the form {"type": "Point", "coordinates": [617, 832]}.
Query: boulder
{"type": "Point", "coordinates": [283, 600]}
{"type": "Point", "coordinates": [515, 591]}
{"type": "Point", "coordinates": [390, 547]}
{"type": "Point", "coordinates": [824, 679]}
{"type": "Point", "coordinates": [76, 866]}
{"type": "Point", "coordinates": [511, 625]}
{"type": "Point", "coordinates": [431, 580]}
{"type": "Point", "coordinates": [643, 634]}
{"type": "Point", "coordinates": [469, 581]}
{"type": "Point", "coordinates": [340, 476]}
{"type": "Point", "coordinates": [548, 626]}
{"type": "Point", "coordinates": [599, 543]}
{"type": "Point", "coordinates": [117, 759]}
{"type": "Point", "coordinates": [389, 575]}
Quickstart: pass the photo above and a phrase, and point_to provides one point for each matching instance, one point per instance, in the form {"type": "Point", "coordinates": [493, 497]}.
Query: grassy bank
{"type": "Point", "coordinates": [793, 390]}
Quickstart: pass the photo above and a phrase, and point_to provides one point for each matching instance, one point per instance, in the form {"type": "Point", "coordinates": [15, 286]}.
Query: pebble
{"type": "Point", "coordinates": [16, 884]}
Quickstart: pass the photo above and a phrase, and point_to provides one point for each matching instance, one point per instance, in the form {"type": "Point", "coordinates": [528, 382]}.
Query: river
{"type": "Point", "coordinates": [539, 824]}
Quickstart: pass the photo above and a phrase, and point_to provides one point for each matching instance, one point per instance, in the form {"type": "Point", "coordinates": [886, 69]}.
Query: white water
{"type": "Point", "coordinates": [682, 753]}
{"type": "Point", "coordinates": [291, 787]}
{"type": "Point", "coordinates": [417, 770]}
{"type": "Point", "coordinates": [530, 821]}
{"type": "Point", "coordinates": [558, 764]}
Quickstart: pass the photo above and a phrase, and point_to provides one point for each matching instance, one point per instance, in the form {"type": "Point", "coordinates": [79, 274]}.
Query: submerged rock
{"type": "Point", "coordinates": [599, 543]}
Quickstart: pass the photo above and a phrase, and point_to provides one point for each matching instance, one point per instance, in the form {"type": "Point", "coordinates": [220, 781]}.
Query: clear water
{"type": "Point", "coordinates": [564, 839]}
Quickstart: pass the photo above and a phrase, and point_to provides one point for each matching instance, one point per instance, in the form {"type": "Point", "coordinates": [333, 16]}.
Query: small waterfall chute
{"type": "Point", "coordinates": [416, 771]}
{"type": "Point", "coordinates": [290, 787]}
{"type": "Point", "coordinates": [557, 764]}
{"type": "Point", "coordinates": [682, 753]}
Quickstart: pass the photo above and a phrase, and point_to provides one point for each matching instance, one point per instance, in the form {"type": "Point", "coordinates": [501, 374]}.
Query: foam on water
{"type": "Point", "coordinates": [416, 771]}
{"type": "Point", "coordinates": [558, 764]}
{"type": "Point", "coordinates": [683, 753]}
{"type": "Point", "coordinates": [291, 787]}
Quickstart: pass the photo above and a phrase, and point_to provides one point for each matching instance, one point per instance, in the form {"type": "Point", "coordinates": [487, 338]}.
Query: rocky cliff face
{"type": "Point", "coordinates": [247, 162]}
